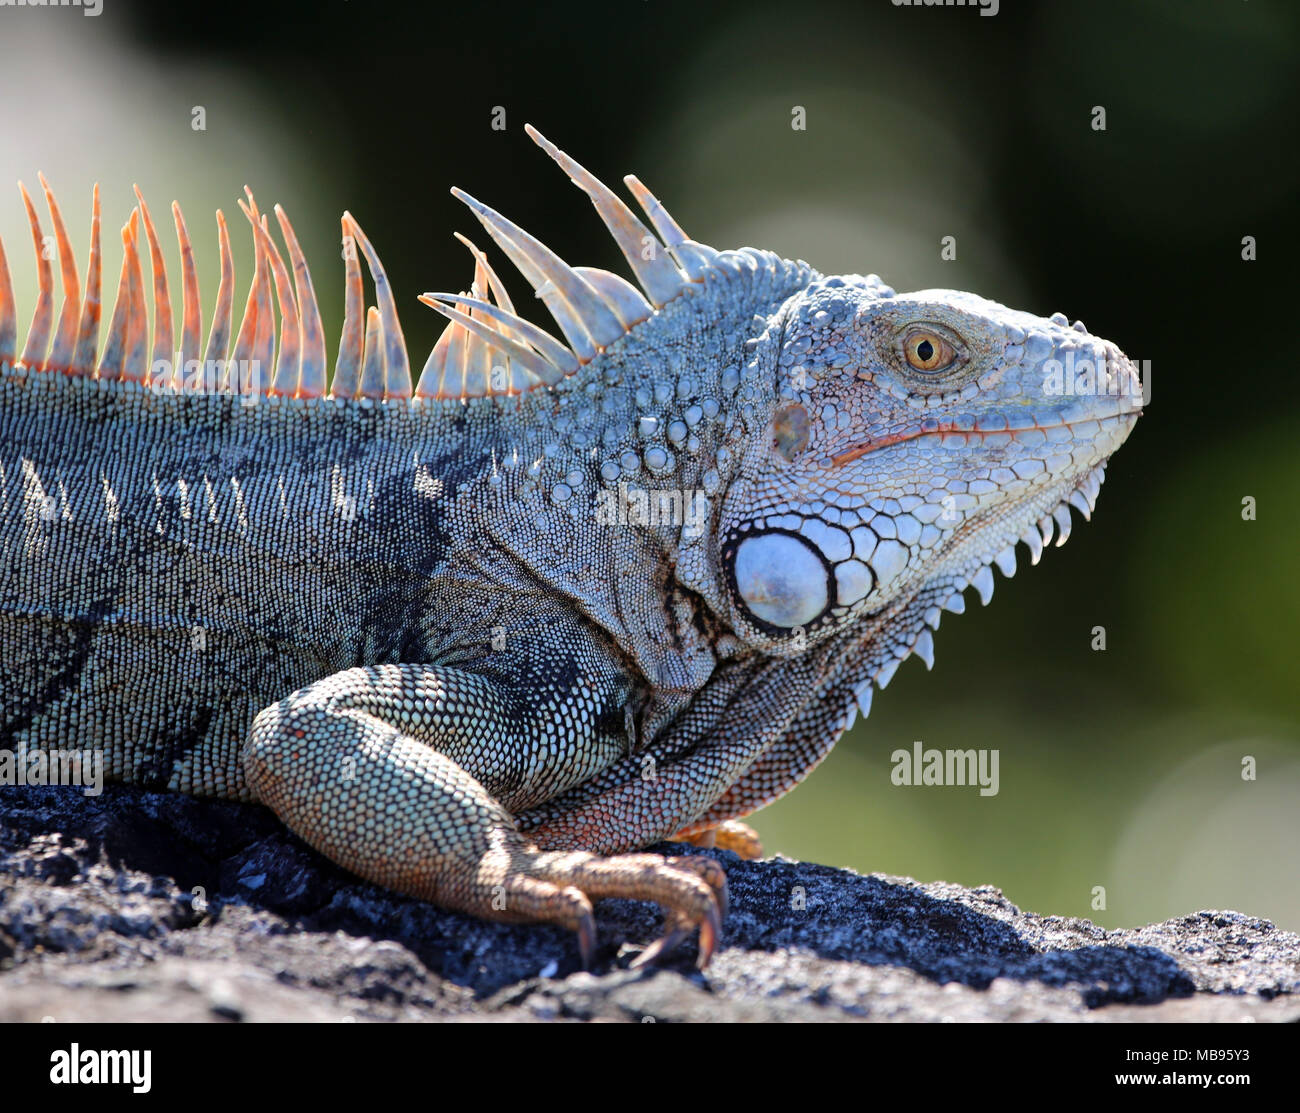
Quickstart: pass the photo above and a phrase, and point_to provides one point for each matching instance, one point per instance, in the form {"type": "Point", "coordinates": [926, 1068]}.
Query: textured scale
{"type": "Point", "coordinates": [479, 636]}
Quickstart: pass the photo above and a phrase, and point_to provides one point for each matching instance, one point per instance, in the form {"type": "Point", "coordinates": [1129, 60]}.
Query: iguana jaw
{"type": "Point", "coordinates": [969, 562]}
{"type": "Point", "coordinates": [967, 557]}
{"type": "Point", "coordinates": [987, 539]}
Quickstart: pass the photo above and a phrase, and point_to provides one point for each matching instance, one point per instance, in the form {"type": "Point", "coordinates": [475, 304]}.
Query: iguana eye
{"type": "Point", "coordinates": [926, 350]}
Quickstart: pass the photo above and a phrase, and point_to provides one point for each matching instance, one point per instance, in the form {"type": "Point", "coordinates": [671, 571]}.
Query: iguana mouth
{"type": "Point", "coordinates": [940, 428]}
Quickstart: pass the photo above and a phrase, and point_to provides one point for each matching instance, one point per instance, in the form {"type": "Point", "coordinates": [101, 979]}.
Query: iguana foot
{"type": "Point", "coordinates": [691, 891]}
{"type": "Point", "coordinates": [730, 834]}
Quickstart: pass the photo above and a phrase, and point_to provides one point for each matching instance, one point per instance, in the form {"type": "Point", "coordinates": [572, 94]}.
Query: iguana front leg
{"type": "Point", "coordinates": [399, 772]}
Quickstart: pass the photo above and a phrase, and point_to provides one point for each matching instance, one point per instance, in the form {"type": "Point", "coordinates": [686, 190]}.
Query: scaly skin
{"type": "Point", "coordinates": [414, 627]}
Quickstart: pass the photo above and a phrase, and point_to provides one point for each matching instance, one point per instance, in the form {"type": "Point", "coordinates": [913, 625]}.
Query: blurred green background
{"type": "Point", "coordinates": [1120, 769]}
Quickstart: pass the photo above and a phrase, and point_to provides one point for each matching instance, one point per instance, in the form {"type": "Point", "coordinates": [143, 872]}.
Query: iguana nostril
{"type": "Point", "coordinates": [781, 579]}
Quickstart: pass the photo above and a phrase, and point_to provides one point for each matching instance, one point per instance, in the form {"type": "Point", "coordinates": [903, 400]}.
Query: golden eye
{"type": "Point", "coordinates": [926, 350]}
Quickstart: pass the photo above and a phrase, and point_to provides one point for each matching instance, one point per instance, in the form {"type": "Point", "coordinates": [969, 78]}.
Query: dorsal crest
{"type": "Point", "coordinates": [487, 349]}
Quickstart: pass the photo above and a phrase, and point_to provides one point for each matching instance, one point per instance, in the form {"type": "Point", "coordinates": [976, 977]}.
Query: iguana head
{"type": "Point", "coordinates": [912, 440]}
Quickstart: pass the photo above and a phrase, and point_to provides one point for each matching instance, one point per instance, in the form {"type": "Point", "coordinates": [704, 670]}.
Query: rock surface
{"type": "Point", "coordinates": [137, 905]}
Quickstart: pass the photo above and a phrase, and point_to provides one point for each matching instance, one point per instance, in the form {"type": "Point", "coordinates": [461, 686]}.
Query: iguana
{"type": "Point", "coordinates": [480, 639]}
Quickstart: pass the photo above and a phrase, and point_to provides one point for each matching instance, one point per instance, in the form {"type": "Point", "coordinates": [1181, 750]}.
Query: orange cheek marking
{"type": "Point", "coordinates": [885, 442]}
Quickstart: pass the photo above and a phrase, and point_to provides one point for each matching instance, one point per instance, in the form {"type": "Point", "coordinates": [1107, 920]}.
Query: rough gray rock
{"type": "Point", "coordinates": [99, 920]}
